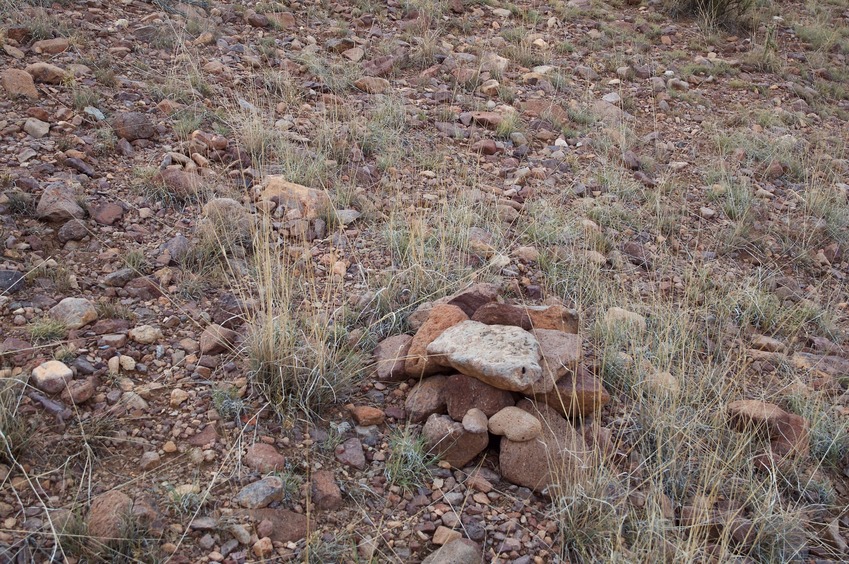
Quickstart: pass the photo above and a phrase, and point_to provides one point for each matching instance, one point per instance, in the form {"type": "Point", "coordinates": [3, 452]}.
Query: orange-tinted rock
{"type": "Point", "coordinates": [325, 491]}
{"type": "Point", "coordinates": [475, 296]}
{"type": "Point", "coordinates": [788, 433]}
{"type": "Point", "coordinates": [554, 317]}
{"type": "Point", "coordinates": [366, 415]}
{"type": "Point", "coordinates": [441, 317]}
{"type": "Point", "coordinates": [310, 203]}
{"type": "Point", "coordinates": [503, 314]}
{"type": "Point", "coordinates": [561, 352]}
{"type": "Point", "coordinates": [18, 83]}
{"type": "Point", "coordinates": [426, 398]}
{"type": "Point", "coordinates": [264, 458]}
{"type": "Point", "coordinates": [108, 514]}
{"type": "Point", "coordinates": [559, 454]}
{"type": "Point", "coordinates": [452, 441]}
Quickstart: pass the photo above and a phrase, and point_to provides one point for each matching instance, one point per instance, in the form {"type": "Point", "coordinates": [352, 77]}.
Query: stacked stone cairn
{"type": "Point", "coordinates": [487, 370]}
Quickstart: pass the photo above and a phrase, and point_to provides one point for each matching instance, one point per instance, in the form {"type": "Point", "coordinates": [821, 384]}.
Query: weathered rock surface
{"type": "Point", "coordinates": [555, 317]}
{"type": "Point", "coordinates": [264, 458]}
{"type": "Point", "coordinates": [133, 125]}
{"type": "Point", "coordinates": [503, 356]}
{"type": "Point", "coordinates": [516, 424]}
{"type": "Point", "coordinates": [458, 551]}
{"type": "Point", "coordinates": [578, 394]}
{"type": "Point", "coordinates": [52, 376]}
{"type": "Point", "coordinates": [74, 312]}
{"type": "Point", "coordinates": [310, 203]}
{"type": "Point", "coordinates": [18, 83]}
{"type": "Point", "coordinates": [503, 314]}
{"type": "Point", "coordinates": [473, 297]}
{"type": "Point", "coordinates": [419, 361]}
{"type": "Point", "coordinates": [463, 393]}
{"type": "Point", "coordinates": [261, 493]}
{"type": "Point", "coordinates": [789, 434]}
{"type": "Point", "coordinates": [217, 339]}
{"type": "Point", "coordinates": [390, 356]}
{"type": "Point", "coordinates": [58, 202]}
{"type": "Point", "coordinates": [326, 494]}
{"type": "Point", "coordinates": [107, 515]}
{"type": "Point", "coordinates": [11, 281]}
{"type": "Point", "coordinates": [426, 398]}
{"type": "Point", "coordinates": [558, 455]}
{"type": "Point", "coordinates": [351, 453]}
{"type": "Point", "coordinates": [451, 441]}
{"type": "Point", "coordinates": [561, 352]}
{"type": "Point", "coordinates": [46, 73]}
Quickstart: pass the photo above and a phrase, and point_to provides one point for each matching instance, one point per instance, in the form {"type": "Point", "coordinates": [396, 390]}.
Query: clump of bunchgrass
{"type": "Point", "coordinates": [408, 460]}
{"type": "Point", "coordinates": [46, 330]}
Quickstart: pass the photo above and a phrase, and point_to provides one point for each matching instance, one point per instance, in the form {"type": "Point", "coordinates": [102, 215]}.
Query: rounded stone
{"type": "Point", "coordinates": [515, 424]}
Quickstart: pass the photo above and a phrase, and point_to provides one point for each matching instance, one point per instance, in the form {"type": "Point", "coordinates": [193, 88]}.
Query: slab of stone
{"type": "Point", "coordinates": [473, 297]}
{"type": "Point", "coordinates": [310, 203]}
{"type": "Point", "coordinates": [18, 83]}
{"type": "Point", "coordinates": [426, 398]}
{"type": "Point", "coordinates": [58, 202]}
{"type": "Point", "coordinates": [789, 433]}
{"type": "Point", "coordinates": [261, 493]}
{"type": "Point", "coordinates": [503, 356]}
{"type": "Point", "coordinates": [52, 376]}
{"type": "Point", "coordinates": [456, 551]}
{"type": "Point", "coordinates": [74, 312]}
{"type": "Point", "coordinates": [554, 317]}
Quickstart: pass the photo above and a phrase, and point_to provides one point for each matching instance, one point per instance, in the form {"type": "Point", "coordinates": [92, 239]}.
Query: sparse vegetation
{"type": "Point", "coordinates": [692, 231]}
{"type": "Point", "coordinates": [712, 12]}
{"type": "Point", "coordinates": [407, 462]}
{"type": "Point", "coordinates": [47, 330]}
{"type": "Point", "coordinates": [14, 432]}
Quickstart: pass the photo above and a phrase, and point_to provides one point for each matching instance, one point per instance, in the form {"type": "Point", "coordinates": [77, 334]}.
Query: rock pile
{"type": "Point", "coordinates": [495, 373]}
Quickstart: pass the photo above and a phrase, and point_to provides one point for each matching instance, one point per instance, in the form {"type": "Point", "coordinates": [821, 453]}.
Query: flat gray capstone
{"type": "Point", "coordinates": [503, 356]}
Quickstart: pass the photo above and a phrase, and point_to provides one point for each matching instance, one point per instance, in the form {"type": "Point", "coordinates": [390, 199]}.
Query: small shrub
{"type": "Point", "coordinates": [84, 97]}
{"type": "Point", "coordinates": [408, 461]}
{"type": "Point", "coordinates": [227, 403]}
{"type": "Point", "coordinates": [136, 260]}
{"type": "Point", "coordinates": [113, 310]}
{"type": "Point", "coordinates": [14, 435]}
{"type": "Point", "coordinates": [47, 331]}
{"type": "Point", "coordinates": [325, 548]}
{"type": "Point", "coordinates": [511, 123]}
{"type": "Point", "coordinates": [21, 203]}
{"type": "Point", "coordinates": [301, 365]}
{"type": "Point", "coordinates": [829, 432]}
{"type": "Point", "coordinates": [186, 123]}
{"type": "Point", "coordinates": [712, 12]}
{"type": "Point", "coordinates": [183, 501]}
{"type": "Point", "coordinates": [105, 141]}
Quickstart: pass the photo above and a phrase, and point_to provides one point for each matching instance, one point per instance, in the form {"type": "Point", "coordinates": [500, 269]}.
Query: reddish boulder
{"type": "Point", "coordinates": [419, 363]}
{"type": "Point", "coordinates": [464, 392]}
{"type": "Point", "coordinates": [389, 356]}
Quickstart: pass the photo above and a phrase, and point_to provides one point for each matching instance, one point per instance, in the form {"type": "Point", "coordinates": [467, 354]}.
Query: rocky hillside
{"type": "Point", "coordinates": [424, 281]}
